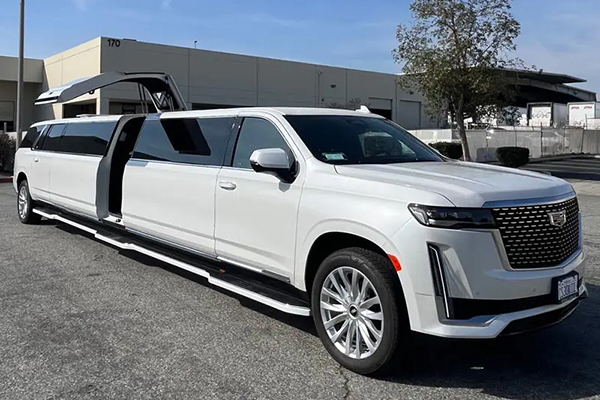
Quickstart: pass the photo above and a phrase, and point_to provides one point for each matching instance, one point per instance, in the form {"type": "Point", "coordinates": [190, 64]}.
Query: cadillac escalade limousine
{"type": "Point", "coordinates": [340, 215]}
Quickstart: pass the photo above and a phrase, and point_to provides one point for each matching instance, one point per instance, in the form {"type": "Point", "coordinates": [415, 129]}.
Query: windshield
{"type": "Point", "coordinates": [337, 139]}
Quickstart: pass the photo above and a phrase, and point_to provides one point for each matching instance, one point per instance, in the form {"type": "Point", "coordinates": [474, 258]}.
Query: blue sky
{"type": "Point", "coordinates": [557, 35]}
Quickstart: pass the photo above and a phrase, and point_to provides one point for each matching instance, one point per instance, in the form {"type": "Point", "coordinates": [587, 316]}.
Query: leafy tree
{"type": "Point", "coordinates": [452, 52]}
{"type": "Point", "coordinates": [7, 151]}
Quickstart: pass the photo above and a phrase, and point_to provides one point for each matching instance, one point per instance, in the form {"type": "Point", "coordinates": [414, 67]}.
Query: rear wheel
{"type": "Point", "coordinates": [358, 309]}
{"type": "Point", "coordinates": [25, 205]}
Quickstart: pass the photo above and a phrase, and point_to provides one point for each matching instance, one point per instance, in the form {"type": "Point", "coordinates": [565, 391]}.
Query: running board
{"type": "Point", "coordinates": [244, 287]}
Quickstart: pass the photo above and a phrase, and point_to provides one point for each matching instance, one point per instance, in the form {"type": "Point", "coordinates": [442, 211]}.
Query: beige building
{"type": "Point", "coordinates": [207, 79]}
{"type": "Point", "coordinates": [33, 76]}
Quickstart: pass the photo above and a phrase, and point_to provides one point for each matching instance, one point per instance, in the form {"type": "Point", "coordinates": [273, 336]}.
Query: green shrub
{"type": "Point", "coordinates": [449, 149]}
{"type": "Point", "coordinates": [513, 156]}
{"type": "Point", "coordinates": [7, 152]}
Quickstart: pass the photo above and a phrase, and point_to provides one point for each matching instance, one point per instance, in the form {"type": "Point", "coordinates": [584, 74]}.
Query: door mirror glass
{"type": "Point", "coordinates": [274, 162]}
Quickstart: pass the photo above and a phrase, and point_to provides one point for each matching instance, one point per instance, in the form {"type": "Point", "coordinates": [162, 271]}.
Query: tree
{"type": "Point", "coordinates": [452, 54]}
{"type": "Point", "coordinates": [7, 151]}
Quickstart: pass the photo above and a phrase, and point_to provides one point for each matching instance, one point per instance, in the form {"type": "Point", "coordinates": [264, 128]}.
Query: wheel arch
{"type": "Point", "coordinates": [21, 176]}
{"type": "Point", "coordinates": [331, 241]}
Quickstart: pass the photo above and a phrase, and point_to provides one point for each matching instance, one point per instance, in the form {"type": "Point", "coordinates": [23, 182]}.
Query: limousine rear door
{"type": "Point", "coordinates": [169, 182]}
{"type": "Point", "coordinates": [163, 91]}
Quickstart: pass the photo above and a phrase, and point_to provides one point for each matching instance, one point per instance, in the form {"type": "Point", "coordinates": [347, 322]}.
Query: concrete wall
{"type": "Point", "coordinates": [209, 77]}
{"type": "Point", "coordinates": [79, 62]}
{"type": "Point", "coordinates": [8, 93]}
{"type": "Point", "coordinates": [32, 69]}
{"type": "Point", "coordinates": [32, 76]}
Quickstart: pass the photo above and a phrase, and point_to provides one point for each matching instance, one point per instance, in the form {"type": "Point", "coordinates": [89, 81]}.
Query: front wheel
{"type": "Point", "coordinates": [25, 205]}
{"type": "Point", "coordinates": [359, 310]}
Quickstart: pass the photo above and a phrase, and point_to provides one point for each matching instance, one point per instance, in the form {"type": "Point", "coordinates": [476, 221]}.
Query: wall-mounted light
{"type": "Point", "coordinates": [333, 85]}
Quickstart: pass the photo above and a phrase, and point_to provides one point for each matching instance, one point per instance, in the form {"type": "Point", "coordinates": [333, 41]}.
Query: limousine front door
{"type": "Point", "coordinates": [256, 213]}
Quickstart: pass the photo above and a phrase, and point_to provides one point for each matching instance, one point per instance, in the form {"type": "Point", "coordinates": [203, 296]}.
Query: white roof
{"type": "Point", "coordinates": [94, 118]}
{"type": "Point", "coordinates": [219, 113]}
{"type": "Point", "coordinates": [275, 110]}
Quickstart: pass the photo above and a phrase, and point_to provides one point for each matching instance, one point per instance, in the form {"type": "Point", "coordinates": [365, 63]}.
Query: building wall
{"type": "Point", "coordinates": [8, 94]}
{"type": "Point", "coordinates": [79, 62]}
{"type": "Point", "coordinates": [32, 69]}
{"type": "Point", "coordinates": [32, 77]}
{"type": "Point", "coordinates": [209, 79]}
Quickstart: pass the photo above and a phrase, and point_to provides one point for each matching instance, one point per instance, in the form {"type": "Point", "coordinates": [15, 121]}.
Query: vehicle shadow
{"type": "Point", "coordinates": [561, 362]}
{"type": "Point", "coordinates": [302, 323]}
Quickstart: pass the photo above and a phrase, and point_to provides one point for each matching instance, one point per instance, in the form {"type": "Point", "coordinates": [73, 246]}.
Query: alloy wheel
{"type": "Point", "coordinates": [351, 312]}
{"type": "Point", "coordinates": [23, 202]}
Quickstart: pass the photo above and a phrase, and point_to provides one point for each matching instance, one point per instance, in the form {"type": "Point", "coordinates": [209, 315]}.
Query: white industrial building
{"type": "Point", "coordinates": [207, 79]}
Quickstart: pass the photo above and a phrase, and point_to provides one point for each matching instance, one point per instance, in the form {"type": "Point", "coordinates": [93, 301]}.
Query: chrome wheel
{"type": "Point", "coordinates": [351, 312]}
{"type": "Point", "coordinates": [23, 202]}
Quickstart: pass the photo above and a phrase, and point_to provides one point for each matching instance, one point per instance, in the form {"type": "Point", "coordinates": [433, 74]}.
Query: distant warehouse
{"type": "Point", "coordinates": [210, 79]}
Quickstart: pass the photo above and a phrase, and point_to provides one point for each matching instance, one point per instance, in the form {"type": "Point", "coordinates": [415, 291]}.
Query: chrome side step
{"type": "Point", "coordinates": [122, 243]}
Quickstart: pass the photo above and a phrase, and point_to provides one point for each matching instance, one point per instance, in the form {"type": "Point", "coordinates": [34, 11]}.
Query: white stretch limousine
{"type": "Point", "coordinates": [337, 214]}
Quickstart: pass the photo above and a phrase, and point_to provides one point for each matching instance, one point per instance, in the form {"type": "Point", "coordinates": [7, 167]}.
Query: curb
{"type": "Point", "coordinates": [7, 179]}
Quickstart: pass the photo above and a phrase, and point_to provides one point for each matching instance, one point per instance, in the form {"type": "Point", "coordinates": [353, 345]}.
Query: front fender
{"type": "Point", "coordinates": [336, 226]}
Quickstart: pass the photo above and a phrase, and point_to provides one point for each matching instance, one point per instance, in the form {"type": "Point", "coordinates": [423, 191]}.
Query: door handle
{"type": "Point", "coordinates": [36, 159]}
{"type": "Point", "coordinates": [227, 185]}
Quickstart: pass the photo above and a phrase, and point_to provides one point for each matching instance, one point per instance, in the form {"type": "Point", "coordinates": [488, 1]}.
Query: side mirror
{"type": "Point", "coordinates": [274, 162]}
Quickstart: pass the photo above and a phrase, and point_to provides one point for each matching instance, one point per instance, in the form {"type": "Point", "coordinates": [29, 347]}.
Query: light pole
{"type": "Point", "coordinates": [20, 72]}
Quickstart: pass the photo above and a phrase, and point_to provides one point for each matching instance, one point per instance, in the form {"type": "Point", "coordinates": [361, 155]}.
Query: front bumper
{"type": "Point", "coordinates": [492, 326]}
{"type": "Point", "coordinates": [481, 296]}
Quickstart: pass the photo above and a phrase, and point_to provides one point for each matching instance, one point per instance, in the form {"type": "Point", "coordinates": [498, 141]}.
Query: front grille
{"type": "Point", "coordinates": [531, 241]}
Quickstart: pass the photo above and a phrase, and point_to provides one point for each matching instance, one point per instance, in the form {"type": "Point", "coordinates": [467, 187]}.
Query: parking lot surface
{"type": "Point", "coordinates": [81, 320]}
{"type": "Point", "coordinates": [571, 168]}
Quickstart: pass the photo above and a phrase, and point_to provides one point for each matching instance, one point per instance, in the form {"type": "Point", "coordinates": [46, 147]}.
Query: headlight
{"type": "Point", "coordinates": [452, 217]}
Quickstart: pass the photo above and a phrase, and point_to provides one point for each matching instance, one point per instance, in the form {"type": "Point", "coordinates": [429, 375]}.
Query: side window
{"type": "Point", "coordinates": [184, 140]}
{"type": "Point", "coordinates": [31, 136]}
{"type": "Point", "coordinates": [256, 133]}
{"type": "Point", "coordinates": [53, 137]}
{"type": "Point", "coordinates": [89, 138]}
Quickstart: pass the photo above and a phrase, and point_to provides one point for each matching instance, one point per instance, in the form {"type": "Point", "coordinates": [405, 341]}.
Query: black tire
{"type": "Point", "coordinates": [380, 272]}
{"type": "Point", "coordinates": [27, 216]}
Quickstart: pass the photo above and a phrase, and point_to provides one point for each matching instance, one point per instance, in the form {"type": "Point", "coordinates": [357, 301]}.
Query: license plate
{"type": "Point", "coordinates": [566, 287]}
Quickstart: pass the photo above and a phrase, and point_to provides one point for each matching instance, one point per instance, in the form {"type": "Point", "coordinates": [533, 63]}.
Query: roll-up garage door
{"type": "Point", "coordinates": [381, 106]}
{"type": "Point", "coordinates": [409, 114]}
{"type": "Point", "coordinates": [7, 111]}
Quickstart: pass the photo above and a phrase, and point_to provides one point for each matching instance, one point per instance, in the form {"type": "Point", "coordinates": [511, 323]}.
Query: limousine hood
{"type": "Point", "coordinates": [465, 184]}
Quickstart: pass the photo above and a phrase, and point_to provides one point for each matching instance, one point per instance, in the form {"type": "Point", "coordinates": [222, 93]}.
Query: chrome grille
{"type": "Point", "coordinates": [531, 241]}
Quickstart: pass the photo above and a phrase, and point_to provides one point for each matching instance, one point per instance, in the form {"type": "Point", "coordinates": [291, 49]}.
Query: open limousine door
{"type": "Point", "coordinates": [162, 89]}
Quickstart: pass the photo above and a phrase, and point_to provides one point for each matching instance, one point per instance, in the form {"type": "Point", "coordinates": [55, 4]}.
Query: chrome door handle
{"type": "Point", "coordinates": [36, 159]}
{"type": "Point", "coordinates": [227, 185]}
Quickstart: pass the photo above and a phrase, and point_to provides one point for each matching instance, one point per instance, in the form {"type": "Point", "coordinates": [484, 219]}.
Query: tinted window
{"type": "Point", "coordinates": [256, 134]}
{"type": "Point", "coordinates": [87, 138]}
{"type": "Point", "coordinates": [184, 140]}
{"type": "Point", "coordinates": [31, 136]}
{"type": "Point", "coordinates": [339, 139]}
{"type": "Point", "coordinates": [53, 137]}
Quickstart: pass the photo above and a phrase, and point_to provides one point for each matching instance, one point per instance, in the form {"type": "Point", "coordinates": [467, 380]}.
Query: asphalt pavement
{"type": "Point", "coordinates": [82, 320]}
{"type": "Point", "coordinates": [584, 167]}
